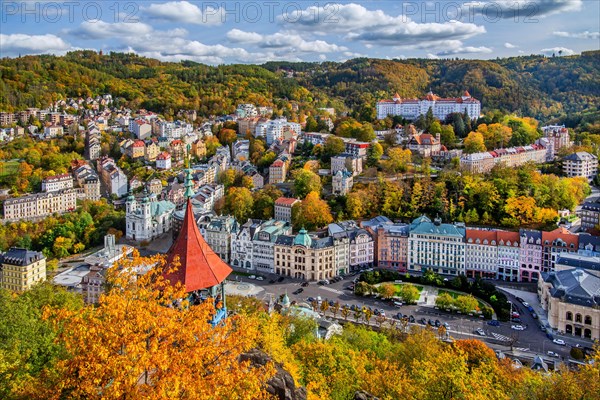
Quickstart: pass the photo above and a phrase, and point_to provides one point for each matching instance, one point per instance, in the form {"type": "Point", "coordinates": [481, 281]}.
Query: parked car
{"type": "Point", "coordinates": [252, 277]}
{"type": "Point", "coordinates": [437, 323]}
{"type": "Point", "coordinates": [303, 284]}
{"type": "Point", "coordinates": [398, 316]}
{"type": "Point", "coordinates": [260, 278]}
{"type": "Point", "coordinates": [530, 309]}
{"type": "Point", "coordinates": [423, 321]}
{"type": "Point", "coordinates": [411, 318]}
{"type": "Point", "coordinates": [494, 322]}
{"type": "Point", "coordinates": [520, 299]}
{"type": "Point", "coordinates": [534, 316]}
{"type": "Point", "coordinates": [446, 325]}
{"type": "Point", "coordinates": [526, 304]}
{"type": "Point", "coordinates": [298, 291]}
{"type": "Point", "coordinates": [323, 282]}
{"type": "Point", "coordinates": [553, 354]}
{"type": "Point", "coordinates": [281, 278]}
{"type": "Point", "coordinates": [397, 303]}
{"type": "Point", "coordinates": [331, 303]}
{"type": "Point", "coordinates": [518, 327]}
{"type": "Point", "coordinates": [430, 322]}
{"type": "Point", "coordinates": [480, 332]}
{"type": "Point", "coordinates": [559, 342]}
{"type": "Point", "coordinates": [543, 328]}
{"type": "Point", "coordinates": [310, 299]}
{"type": "Point", "coordinates": [517, 320]}
{"type": "Point", "coordinates": [272, 281]}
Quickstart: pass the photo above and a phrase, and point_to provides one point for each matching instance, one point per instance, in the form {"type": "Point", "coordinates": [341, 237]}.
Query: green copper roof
{"type": "Point", "coordinates": [189, 192]}
{"type": "Point", "coordinates": [302, 239]}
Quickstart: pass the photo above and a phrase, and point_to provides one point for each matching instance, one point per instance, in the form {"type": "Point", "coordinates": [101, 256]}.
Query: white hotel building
{"type": "Point", "coordinates": [441, 107]}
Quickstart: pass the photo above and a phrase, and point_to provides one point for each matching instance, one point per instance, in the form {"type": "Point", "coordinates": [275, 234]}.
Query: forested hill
{"type": "Point", "coordinates": [558, 89]}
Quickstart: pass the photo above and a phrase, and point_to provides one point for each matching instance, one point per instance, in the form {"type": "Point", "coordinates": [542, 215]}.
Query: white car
{"type": "Point", "coordinates": [559, 341]}
{"type": "Point", "coordinates": [518, 327]}
{"type": "Point", "coordinates": [252, 277]}
{"type": "Point", "coordinates": [553, 354]}
{"type": "Point", "coordinates": [480, 332]}
{"type": "Point", "coordinates": [526, 304]}
{"type": "Point", "coordinates": [260, 278]}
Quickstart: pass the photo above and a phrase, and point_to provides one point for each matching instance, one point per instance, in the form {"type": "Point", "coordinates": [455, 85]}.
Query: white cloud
{"type": "Point", "coordinates": [184, 12]}
{"type": "Point", "coordinates": [432, 56]}
{"type": "Point", "coordinates": [555, 50]}
{"type": "Point", "coordinates": [279, 40]}
{"type": "Point", "coordinates": [465, 50]}
{"type": "Point", "coordinates": [510, 45]}
{"type": "Point", "coordinates": [16, 43]}
{"type": "Point", "coordinates": [375, 27]}
{"type": "Point", "coordinates": [523, 10]}
{"type": "Point", "coordinates": [104, 30]}
{"type": "Point", "coordinates": [322, 57]}
{"type": "Point", "coordinates": [579, 35]}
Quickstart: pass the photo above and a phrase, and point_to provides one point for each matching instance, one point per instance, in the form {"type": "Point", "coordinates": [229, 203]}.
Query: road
{"type": "Point", "coordinates": [532, 340]}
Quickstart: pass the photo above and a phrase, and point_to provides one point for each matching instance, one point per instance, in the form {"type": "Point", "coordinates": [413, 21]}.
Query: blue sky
{"type": "Point", "coordinates": [216, 32]}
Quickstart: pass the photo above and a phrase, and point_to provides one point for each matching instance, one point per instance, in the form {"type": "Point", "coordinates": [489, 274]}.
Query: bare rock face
{"type": "Point", "coordinates": [281, 384]}
{"type": "Point", "coordinates": [362, 395]}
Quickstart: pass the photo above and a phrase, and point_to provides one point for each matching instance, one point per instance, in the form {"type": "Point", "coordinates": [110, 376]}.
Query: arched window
{"type": "Point", "coordinates": [578, 318]}
{"type": "Point", "coordinates": [588, 320]}
{"type": "Point", "coordinates": [569, 316]}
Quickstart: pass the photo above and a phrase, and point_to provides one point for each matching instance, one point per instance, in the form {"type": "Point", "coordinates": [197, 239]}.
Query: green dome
{"type": "Point", "coordinates": [302, 239]}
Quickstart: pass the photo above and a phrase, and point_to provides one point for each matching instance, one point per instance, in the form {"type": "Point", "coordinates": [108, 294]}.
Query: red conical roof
{"type": "Point", "coordinates": [200, 267]}
{"type": "Point", "coordinates": [467, 94]}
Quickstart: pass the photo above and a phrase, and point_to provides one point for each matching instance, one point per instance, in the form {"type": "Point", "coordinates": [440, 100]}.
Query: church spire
{"type": "Point", "coordinates": [189, 181]}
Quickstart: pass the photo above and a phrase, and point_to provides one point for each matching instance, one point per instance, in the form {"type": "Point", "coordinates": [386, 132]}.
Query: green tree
{"type": "Point", "coordinates": [409, 293]}
{"type": "Point", "coordinates": [305, 181]}
{"type": "Point", "coordinates": [374, 153]}
{"type": "Point", "coordinates": [333, 146]}
{"type": "Point", "coordinates": [447, 136]}
{"type": "Point", "coordinates": [444, 301]}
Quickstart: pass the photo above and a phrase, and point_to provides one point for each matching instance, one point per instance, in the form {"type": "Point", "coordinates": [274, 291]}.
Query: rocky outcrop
{"type": "Point", "coordinates": [281, 384]}
{"type": "Point", "coordinates": [362, 395]}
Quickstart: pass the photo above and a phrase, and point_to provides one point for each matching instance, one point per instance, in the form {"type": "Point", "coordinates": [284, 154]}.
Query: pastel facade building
{"type": "Point", "coordinates": [581, 164]}
{"type": "Point", "coordinates": [283, 208]}
{"type": "Point", "coordinates": [20, 269]}
{"type": "Point", "coordinates": [530, 257]}
{"type": "Point", "coordinates": [481, 253]}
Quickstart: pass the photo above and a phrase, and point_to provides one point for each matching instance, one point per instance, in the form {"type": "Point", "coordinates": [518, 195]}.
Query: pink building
{"type": "Point", "coordinates": [530, 256]}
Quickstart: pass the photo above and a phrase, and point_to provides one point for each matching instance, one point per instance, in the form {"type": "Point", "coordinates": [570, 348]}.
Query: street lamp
{"type": "Point", "coordinates": [510, 316]}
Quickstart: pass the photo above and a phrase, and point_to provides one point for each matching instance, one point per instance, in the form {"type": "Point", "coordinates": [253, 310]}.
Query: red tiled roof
{"type": "Point", "coordinates": [481, 235]}
{"type": "Point", "coordinates": [285, 201]}
{"type": "Point", "coordinates": [139, 143]}
{"type": "Point", "coordinates": [506, 236]}
{"type": "Point", "coordinates": [163, 156]}
{"type": "Point", "coordinates": [560, 233]}
{"type": "Point", "coordinates": [277, 163]}
{"type": "Point", "coordinates": [200, 267]}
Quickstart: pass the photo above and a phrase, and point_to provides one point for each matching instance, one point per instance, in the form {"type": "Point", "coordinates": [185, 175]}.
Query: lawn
{"type": "Point", "coordinates": [8, 168]}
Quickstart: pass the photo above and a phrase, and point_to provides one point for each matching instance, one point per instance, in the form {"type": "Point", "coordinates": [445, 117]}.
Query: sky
{"type": "Point", "coordinates": [246, 31]}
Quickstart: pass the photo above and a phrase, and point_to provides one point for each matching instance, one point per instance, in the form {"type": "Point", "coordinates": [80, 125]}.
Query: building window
{"type": "Point", "coordinates": [569, 316]}
{"type": "Point", "coordinates": [578, 318]}
{"type": "Point", "coordinates": [588, 320]}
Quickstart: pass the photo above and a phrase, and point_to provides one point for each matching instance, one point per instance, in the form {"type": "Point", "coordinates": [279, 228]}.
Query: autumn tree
{"type": "Point", "coordinates": [212, 144]}
{"type": "Point", "coordinates": [474, 143]}
{"type": "Point", "coordinates": [398, 159]}
{"type": "Point", "coordinates": [305, 181]}
{"type": "Point", "coordinates": [387, 290]}
{"type": "Point", "coordinates": [444, 301]}
{"type": "Point", "coordinates": [311, 213]}
{"type": "Point", "coordinates": [466, 303]}
{"type": "Point", "coordinates": [264, 201]}
{"type": "Point", "coordinates": [409, 293]}
{"type": "Point", "coordinates": [227, 136]}
{"type": "Point", "coordinates": [143, 341]}
{"type": "Point", "coordinates": [239, 203]}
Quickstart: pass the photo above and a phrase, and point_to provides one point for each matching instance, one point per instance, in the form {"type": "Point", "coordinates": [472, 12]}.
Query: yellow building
{"type": "Point", "coordinates": [572, 299]}
{"type": "Point", "coordinates": [20, 269]}
{"type": "Point", "coordinates": [307, 258]}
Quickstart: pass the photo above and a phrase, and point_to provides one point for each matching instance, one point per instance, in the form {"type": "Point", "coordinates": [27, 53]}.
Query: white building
{"type": "Point", "coordinates": [149, 218]}
{"type": "Point", "coordinates": [361, 246]}
{"type": "Point", "coordinates": [241, 150]}
{"type": "Point", "coordinates": [218, 232]}
{"type": "Point", "coordinates": [342, 182]}
{"type": "Point", "coordinates": [263, 244]}
{"type": "Point", "coordinates": [481, 253]}
{"type": "Point", "coordinates": [441, 107]}
{"type": "Point", "coordinates": [174, 130]}
{"type": "Point", "coordinates": [347, 161]}
{"type": "Point", "coordinates": [509, 251]}
{"type": "Point", "coordinates": [283, 208]}
{"type": "Point", "coordinates": [163, 161]}
{"type": "Point", "coordinates": [112, 176]}
{"type": "Point", "coordinates": [53, 131]}
{"type": "Point", "coordinates": [581, 164]}
{"type": "Point", "coordinates": [241, 243]}
{"type": "Point", "coordinates": [140, 128]}
{"type": "Point", "coordinates": [207, 195]}
{"type": "Point", "coordinates": [40, 205]}
{"type": "Point", "coordinates": [436, 246]}
{"type": "Point", "coordinates": [274, 129]}
{"type": "Point", "coordinates": [57, 182]}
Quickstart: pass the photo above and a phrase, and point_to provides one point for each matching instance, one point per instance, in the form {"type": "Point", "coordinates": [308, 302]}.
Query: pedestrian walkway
{"type": "Point", "coordinates": [500, 337]}
{"type": "Point", "coordinates": [336, 291]}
